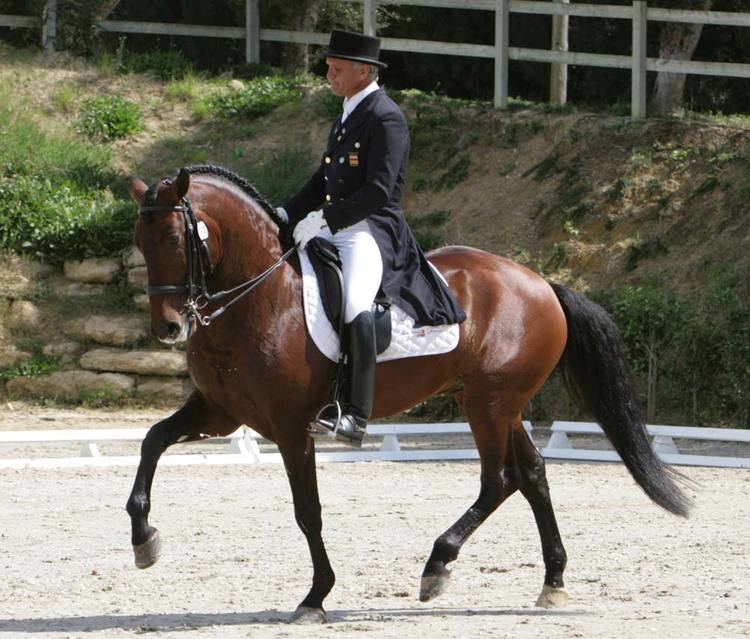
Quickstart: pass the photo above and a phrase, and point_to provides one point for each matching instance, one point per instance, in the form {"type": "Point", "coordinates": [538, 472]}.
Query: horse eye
{"type": "Point", "coordinates": [173, 240]}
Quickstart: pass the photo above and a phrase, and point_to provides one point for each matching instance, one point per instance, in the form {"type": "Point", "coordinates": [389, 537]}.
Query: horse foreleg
{"type": "Point", "coordinates": [184, 425]}
{"type": "Point", "coordinates": [534, 487]}
{"type": "Point", "coordinates": [300, 468]}
{"type": "Point", "coordinates": [498, 482]}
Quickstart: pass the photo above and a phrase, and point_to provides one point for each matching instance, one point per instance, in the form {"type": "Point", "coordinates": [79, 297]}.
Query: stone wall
{"type": "Point", "coordinates": [51, 315]}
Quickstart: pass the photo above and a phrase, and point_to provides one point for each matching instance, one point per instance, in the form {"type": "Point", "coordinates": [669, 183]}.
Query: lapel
{"type": "Point", "coordinates": [340, 132]}
{"type": "Point", "coordinates": [332, 135]}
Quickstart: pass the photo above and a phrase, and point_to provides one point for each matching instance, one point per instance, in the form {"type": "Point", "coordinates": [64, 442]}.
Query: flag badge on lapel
{"type": "Point", "coordinates": [353, 159]}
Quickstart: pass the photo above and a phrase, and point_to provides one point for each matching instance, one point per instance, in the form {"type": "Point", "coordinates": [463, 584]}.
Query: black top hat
{"type": "Point", "coordinates": [354, 46]}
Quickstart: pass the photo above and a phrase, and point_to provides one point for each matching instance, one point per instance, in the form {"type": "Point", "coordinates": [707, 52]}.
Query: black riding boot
{"type": "Point", "coordinates": [350, 426]}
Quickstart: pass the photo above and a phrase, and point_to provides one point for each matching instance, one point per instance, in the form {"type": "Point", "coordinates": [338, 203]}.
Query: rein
{"type": "Point", "coordinates": [196, 289]}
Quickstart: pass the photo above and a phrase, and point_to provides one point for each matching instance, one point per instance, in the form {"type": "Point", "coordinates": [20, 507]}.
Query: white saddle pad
{"type": "Point", "coordinates": [406, 340]}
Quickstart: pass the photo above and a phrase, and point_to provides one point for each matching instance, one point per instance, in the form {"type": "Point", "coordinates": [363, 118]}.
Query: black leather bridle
{"type": "Point", "coordinates": [199, 265]}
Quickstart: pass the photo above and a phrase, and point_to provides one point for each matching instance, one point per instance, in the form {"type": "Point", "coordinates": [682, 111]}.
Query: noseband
{"type": "Point", "coordinates": [199, 265]}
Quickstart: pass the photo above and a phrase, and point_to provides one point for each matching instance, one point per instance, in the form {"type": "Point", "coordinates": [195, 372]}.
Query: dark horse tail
{"type": "Point", "coordinates": [598, 377]}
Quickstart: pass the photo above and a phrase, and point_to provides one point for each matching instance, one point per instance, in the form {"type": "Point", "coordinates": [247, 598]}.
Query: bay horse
{"type": "Point", "coordinates": [219, 278]}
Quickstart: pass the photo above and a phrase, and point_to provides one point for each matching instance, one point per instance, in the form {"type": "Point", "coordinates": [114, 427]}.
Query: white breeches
{"type": "Point", "coordinates": [362, 266]}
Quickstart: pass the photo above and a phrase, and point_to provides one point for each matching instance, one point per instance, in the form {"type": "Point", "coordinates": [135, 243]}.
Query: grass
{"type": "Point", "coordinates": [28, 150]}
{"type": "Point", "coordinates": [34, 367]}
{"type": "Point", "coordinates": [186, 89]}
{"type": "Point", "coordinates": [281, 173]}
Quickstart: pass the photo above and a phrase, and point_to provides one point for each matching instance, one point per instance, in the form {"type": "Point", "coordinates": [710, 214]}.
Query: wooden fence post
{"type": "Point", "coordinates": [558, 87]}
{"type": "Point", "coordinates": [638, 89]}
{"type": "Point", "coordinates": [502, 18]}
{"type": "Point", "coordinates": [49, 25]}
{"type": "Point", "coordinates": [370, 17]}
{"type": "Point", "coordinates": [252, 32]}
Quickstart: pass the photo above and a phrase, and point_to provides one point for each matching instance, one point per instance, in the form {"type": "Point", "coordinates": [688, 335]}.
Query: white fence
{"type": "Point", "coordinates": [638, 14]}
{"type": "Point", "coordinates": [242, 447]}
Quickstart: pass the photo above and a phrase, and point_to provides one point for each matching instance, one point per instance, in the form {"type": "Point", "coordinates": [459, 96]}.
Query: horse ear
{"type": "Point", "coordinates": [137, 189]}
{"type": "Point", "coordinates": [183, 183]}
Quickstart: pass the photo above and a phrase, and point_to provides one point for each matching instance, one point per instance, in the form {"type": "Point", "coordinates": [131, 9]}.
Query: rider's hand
{"type": "Point", "coordinates": [308, 228]}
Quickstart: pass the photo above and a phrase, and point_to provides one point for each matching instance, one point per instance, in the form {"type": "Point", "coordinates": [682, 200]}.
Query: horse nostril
{"type": "Point", "coordinates": [173, 329]}
{"type": "Point", "coordinates": [169, 330]}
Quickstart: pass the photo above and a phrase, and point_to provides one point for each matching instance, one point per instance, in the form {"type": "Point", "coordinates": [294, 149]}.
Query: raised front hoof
{"type": "Point", "coordinates": [434, 585]}
{"type": "Point", "coordinates": [308, 616]}
{"type": "Point", "coordinates": [148, 553]}
{"type": "Point", "coordinates": [552, 597]}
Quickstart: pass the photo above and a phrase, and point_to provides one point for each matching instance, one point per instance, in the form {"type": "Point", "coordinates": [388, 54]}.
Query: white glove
{"type": "Point", "coordinates": [282, 214]}
{"type": "Point", "coordinates": [308, 228]}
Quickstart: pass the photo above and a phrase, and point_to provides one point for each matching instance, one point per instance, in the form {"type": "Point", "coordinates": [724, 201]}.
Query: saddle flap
{"type": "Point", "coordinates": [326, 263]}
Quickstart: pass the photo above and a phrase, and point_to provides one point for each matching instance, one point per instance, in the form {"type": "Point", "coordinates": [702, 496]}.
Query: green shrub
{"type": "Point", "coordinates": [644, 250]}
{"type": "Point", "coordinates": [165, 65]}
{"type": "Point", "coordinates": [61, 221]}
{"type": "Point", "coordinates": [328, 105]}
{"type": "Point", "coordinates": [690, 355]}
{"type": "Point", "coordinates": [109, 118]}
{"type": "Point", "coordinates": [256, 98]}
{"type": "Point", "coordinates": [427, 228]}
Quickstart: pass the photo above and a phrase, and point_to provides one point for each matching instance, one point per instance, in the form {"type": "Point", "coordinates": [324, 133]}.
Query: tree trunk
{"type": "Point", "coordinates": [107, 7]}
{"type": "Point", "coordinates": [558, 90]}
{"type": "Point", "coordinates": [677, 41]}
{"type": "Point", "coordinates": [299, 16]}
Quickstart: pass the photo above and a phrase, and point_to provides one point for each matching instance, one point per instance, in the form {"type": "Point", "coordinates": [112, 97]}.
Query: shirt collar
{"type": "Point", "coordinates": [351, 103]}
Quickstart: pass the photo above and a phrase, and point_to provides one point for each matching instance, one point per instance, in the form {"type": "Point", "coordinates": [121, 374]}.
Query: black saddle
{"type": "Point", "coordinates": [324, 258]}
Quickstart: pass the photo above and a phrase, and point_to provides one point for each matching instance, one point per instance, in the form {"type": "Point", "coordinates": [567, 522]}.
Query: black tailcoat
{"type": "Point", "coordinates": [361, 175]}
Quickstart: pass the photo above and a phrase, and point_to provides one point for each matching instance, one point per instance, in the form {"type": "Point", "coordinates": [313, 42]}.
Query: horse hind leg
{"type": "Point", "coordinates": [533, 486]}
{"type": "Point", "coordinates": [498, 482]}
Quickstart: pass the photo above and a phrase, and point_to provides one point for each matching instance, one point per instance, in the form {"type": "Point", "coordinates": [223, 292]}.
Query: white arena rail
{"type": "Point", "coordinates": [663, 442]}
{"type": "Point", "coordinates": [243, 446]}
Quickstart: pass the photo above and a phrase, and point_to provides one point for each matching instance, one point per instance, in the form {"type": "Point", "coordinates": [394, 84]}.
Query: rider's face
{"type": "Point", "coordinates": [346, 77]}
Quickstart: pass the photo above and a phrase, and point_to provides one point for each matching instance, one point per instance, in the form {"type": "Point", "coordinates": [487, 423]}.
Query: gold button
{"type": "Point", "coordinates": [328, 160]}
{"type": "Point", "coordinates": [328, 197]}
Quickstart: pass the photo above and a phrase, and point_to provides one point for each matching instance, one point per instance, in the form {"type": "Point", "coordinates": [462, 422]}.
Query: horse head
{"type": "Point", "coordinates": [177, 246]}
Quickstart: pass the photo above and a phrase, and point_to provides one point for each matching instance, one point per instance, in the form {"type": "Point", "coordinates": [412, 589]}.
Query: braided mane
{"type": "Point", "coordinates": [242, 183]}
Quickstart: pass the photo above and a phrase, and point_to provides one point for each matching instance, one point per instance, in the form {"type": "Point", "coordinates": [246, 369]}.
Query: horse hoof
{"type": "Point", "coordinates": [147, 553]}
{"type": "Point", "coordinates": [552, 597]}
{"type": "Point", "coordinates": [434, 585]}
{"type": "Point", "coordinates": [305, 615]}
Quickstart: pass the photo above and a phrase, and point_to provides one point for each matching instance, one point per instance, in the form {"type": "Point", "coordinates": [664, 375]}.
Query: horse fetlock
{"type": "Point", "coordinates": [148, 552]}
{"type": "Point", "coordinates": [444, 550]}
{"type": "Point", "coordinates": [138, 506]}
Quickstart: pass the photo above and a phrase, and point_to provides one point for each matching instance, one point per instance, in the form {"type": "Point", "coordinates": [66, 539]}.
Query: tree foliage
{"type": "Point", "coordinates": [449, 75]}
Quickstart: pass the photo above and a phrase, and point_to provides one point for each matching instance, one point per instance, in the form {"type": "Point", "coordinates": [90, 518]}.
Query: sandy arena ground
{"type": "Point", "coordinates": [236, 565]}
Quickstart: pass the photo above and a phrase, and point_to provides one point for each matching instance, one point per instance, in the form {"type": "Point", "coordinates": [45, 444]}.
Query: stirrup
{"type": "Point", "coordinates": [343, 428]}
{"type": "Point", "coordinates": [319, 425]}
